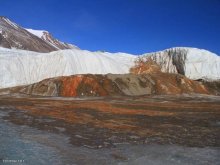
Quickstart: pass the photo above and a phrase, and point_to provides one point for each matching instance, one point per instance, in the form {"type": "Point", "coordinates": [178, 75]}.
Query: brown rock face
{"type": "Point", "coordinates": [90, 85]}
{"type": "Point", "coordinates": [113, 85]}
{"type": "Point", "coordinates": [212, 86]}
{"type": "Point", "coordinates": [14, 36]}
{"type": "Point", "coordinates": [148, 66]}
{"type": "Point", "coordinates": [166, 83]}
{"type": "Point", "coordinates": [55, 42]}
{"type": "Point", "coordinates": [177, 84]}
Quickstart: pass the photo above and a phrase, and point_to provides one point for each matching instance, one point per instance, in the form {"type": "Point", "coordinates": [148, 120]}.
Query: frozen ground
{"type": "Point", "coordinates": [37, 146]}
{"type": "Point", "coordinates": [41, 147]}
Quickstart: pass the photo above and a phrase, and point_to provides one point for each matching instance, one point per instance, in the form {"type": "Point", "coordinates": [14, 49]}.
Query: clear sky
{"type": "Point", "coordinates": [132, 26]}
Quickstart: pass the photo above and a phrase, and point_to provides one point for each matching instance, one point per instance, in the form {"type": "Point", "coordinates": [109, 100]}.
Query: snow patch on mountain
{"type": "Point", "coordinates": [15, 36]}
{"type": "Point", "coordinates": [42, 34]}
{"type": "Point", "coordinates": [48, 38]}
{"type": "Point", "coordinates": [38, 33]}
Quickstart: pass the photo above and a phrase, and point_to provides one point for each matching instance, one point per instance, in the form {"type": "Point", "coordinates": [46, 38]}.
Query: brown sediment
{"type": "Point", "coordinates": [84, 85]}
{"type": "Point", "coordinates": [177, 84]}
{"type": "Point", "coordinates": [145, 67]}
{"type": "Point", "coordinates": [156, 83]}
{"type": "Point", "coordinates": [178, 120]}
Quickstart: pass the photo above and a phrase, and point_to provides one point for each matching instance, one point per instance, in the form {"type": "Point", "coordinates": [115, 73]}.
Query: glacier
{"type": "Point", "coordinates": [21, 67]}
{"type": "Point", "coordinates": [194, 63]}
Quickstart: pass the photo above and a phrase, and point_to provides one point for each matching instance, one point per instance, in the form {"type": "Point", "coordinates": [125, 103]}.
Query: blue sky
{"type": "Point", "coordinates": [132, 26]}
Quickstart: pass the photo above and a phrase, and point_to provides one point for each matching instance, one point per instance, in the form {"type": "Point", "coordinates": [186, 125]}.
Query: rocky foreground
{"type": "Point", "coordinates": [104, 122]}
{"type": "Point", "coordinates": [111, 130]}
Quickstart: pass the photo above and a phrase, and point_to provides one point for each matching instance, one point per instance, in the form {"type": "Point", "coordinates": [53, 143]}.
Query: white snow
{"type": "Point", "coordinates": [3, 33]}
{"type": "Point", "coordinates": [38, 33]}
{"type": "Point", "coordinates": [11, 23]}
{"type": "Point", "coordinates": [51, 42]}
{"type": "Point", "coordinates": [202, 64]}
{"type": "Point", "coordinates": [20, 67]}
{"type": "Point", "coordinates": [198, 64]}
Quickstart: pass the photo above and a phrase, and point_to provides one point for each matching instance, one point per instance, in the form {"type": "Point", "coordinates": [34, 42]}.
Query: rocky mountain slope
{"type": "Point", "coordinates": [14, 36]}
{"type": "Point", "coordinates": [46, 36]}
{"type": "Point", "coordinates": [112, 85]}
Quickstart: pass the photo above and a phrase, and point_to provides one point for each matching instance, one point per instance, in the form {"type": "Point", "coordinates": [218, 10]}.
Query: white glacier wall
{"type": "Point", "coordinates": [192, 62]}
{"type": "Point", "coordinates": [20, 67]}
{"type": "Point", "coordinates": [202, 64]}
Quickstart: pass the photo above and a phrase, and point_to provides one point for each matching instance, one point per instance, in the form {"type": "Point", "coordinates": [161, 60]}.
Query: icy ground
{"type": "Point", "coordinates": [38, 147]}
